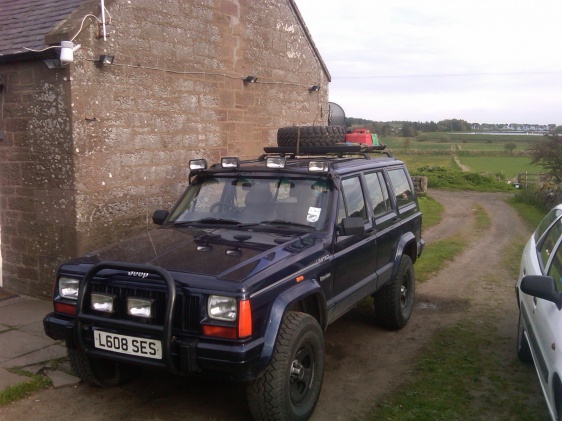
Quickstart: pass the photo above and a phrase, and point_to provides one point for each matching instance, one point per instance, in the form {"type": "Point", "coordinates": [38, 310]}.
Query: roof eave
{"type": "Point", "coordinates": [310, 40]}
{"type": "Point", "coordinates": [69, 27]}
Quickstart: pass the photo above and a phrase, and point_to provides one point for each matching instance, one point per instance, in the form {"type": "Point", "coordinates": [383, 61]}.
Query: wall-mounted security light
{"type": "Point", "coordinates": [250, 79]}
{"type": "Point", "coordinates": [67, 49]}
{"type": "Point", "coordinates": [53, 63]}
{"type": "Point", "coordinates": [105, 60]}
{"type": "Point", "coordinates": [314, 88]}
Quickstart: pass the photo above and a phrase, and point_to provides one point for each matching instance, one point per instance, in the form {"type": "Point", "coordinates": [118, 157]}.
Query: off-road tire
{"type": "Point", "coordinates": [98, 372]}
{"type": "Point", "coordinates": [310, 136]}
{"type": "Point", "coordinates": [523, 350]}
{"type": "Point", "coordinates": [290, 386]}
{"type": "Point", "coordinates": [394, 302]}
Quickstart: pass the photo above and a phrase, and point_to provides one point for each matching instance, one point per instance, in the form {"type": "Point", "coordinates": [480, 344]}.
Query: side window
{"type": "Point", "coordinates": [555, 269]}
{"type": "Point", "coordinates": [402, 190]}
{"type": "Point", "coordinates": [378, 194]}
{"type": "Point", "coordinates": [548, 219]}
{"type": "Point", "coordinates": [546, 247]}
{"type": "Point", "coordinates": [353, 195]}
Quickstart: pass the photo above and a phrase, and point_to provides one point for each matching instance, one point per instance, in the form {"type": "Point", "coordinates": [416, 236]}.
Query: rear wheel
{"type": "Point", "coordinates": [98, 372]}
{"type": "Point", "coordinates": [523, 350]}
{"type": "Point", "coordinates": [310, 135]}
{"type": "Point", "coordinates": [394, 302]}
{"type": "Point", "coordinates": [290, 386]}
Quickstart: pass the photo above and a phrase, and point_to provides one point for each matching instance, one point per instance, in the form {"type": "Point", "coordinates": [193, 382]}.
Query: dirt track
{"type": "Point", "coordinates": [363, 361]}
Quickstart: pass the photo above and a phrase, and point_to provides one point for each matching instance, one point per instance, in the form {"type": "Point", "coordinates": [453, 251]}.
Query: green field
{"type": "Point", "coordinates": [482, 153]}
{"type": "Point", "coordinates": [416, 161]}
{"type": "Point", "coordinates": [464, 142]}
{"type": "Point", "coordinates": [508, 166]}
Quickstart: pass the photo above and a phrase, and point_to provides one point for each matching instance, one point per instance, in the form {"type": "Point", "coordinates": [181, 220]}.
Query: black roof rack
{"type": "Point", "coordinates": [338, 150]}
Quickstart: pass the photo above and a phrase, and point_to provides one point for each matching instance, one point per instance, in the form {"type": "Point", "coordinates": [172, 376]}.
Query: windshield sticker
{"type": "Point", "coordinates": [313, 214]}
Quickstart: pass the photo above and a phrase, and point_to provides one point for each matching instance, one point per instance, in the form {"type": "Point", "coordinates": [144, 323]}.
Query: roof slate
{"type": "Point", "coordinates": [24, 23]}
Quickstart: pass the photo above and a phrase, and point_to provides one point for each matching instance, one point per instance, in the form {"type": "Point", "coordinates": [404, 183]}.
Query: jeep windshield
{"type": "Point", "coordinates": [299, 203]}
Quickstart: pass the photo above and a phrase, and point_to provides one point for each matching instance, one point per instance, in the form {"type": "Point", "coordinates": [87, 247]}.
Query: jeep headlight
{"type": "Point", "coordinates": [222, 308]}
{"type": "Point", "coordinates": [68, 287]}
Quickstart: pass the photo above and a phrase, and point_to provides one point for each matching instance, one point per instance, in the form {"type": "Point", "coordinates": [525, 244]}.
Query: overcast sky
{"type": "Point", "coordinates": [483, 61]}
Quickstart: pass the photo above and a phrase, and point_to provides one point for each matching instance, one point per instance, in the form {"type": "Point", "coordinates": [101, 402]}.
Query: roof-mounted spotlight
{"type": "Point", "coordinates": [105, 60]}
{"type": "Point", "coordinates": [250, 79]}
{"type": "Point", "coordinates": [314, 88]}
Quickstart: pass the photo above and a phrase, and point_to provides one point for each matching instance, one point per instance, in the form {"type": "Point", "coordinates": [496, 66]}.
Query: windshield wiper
{"type": "Point", "coordinates": [209, 221]}
{"type": "Point", "coordinates": [282, 222]}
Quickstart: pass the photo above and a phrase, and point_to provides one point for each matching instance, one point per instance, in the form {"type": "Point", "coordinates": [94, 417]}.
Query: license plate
{"type": "Point", "coordinates": [131, 345]}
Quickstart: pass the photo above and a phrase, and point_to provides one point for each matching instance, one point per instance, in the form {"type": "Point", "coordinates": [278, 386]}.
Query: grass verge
{"type": "Point", "coordinates": [530, 213]}
{"type": "Point", "coordinates": [437, 254]}
{"type": "Point", "coordinates": [431, 210]}
{"type": "Point", "coordinates": [462, 376]}
{"type": "Point", "coordinates": [22, 390]}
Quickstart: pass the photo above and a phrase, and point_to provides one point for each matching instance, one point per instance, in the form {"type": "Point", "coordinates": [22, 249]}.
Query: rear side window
{"type": "Point", "coordinates": [378, 193]}
{"type": "Point", "coordinates": [401, 185]}
{"type": "Point", "coordinates": [353, 196]}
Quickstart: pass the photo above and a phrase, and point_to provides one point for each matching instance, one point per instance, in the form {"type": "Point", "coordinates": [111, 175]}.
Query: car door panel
{"type": "Point", "coordinates": [355, 256]}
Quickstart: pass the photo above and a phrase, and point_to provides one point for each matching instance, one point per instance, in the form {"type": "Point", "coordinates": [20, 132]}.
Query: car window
{"type": "Point", "coordinates": [548, 242]}
{"type": "Point", "coordinates": [402, 190]}
{"type": "Point", "coordinates": [555, 269]}
{"type": "Point", "coordinates": [546, 222]}
{"type": "Point", "coordinates": [378, 193]}
{"type": "Point", "coordinates": [353, 196]}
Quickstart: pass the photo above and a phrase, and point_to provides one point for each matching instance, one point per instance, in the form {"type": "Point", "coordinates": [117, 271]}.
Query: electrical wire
{"type": "Point", "coordinates": [82, 25]}
{"type": "Point", "coordinates": [181, 72]}
{"type": "Point", "coordinates": [44, 49]}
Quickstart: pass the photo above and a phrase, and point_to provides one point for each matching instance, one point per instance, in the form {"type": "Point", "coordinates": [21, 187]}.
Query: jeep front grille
{"type": "Point", "coordinates": [186, 312]}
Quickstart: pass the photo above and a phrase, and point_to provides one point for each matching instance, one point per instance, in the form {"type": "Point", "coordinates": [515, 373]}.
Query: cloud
{"type": "Point", "coordinates": [481, 61]}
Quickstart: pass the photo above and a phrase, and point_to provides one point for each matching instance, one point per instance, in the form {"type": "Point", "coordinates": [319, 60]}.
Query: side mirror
{"type": "Point", "coordinates": [159, 216]}
{"type": "Point", "coordinates": [541, 287]}
{"type": "Point", "coordinates": [352, 226]}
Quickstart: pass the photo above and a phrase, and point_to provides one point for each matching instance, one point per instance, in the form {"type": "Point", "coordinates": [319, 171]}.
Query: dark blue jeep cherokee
{"type": "Point", "coordinates": [246, 272]}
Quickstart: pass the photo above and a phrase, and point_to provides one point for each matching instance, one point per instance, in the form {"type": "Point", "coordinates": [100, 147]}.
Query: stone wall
{"type": "Point", "coordinates": [36, 176]}
{"type": "Point", "coordinates": [90, 152]}
{"type": "Point", "coordinates": [175, 92]}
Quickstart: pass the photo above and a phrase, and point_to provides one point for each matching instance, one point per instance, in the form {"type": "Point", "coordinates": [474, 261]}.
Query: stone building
{"type": "Point", "coordinates": [89, 149]}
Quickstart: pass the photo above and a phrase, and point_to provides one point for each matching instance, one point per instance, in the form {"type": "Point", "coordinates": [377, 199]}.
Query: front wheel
{"type": "Point", "coordinates": [394, 302]}
{"type": "Point", "coordinates": [98, 372]}
{"type": "Point", "coordinates": [290, 386]}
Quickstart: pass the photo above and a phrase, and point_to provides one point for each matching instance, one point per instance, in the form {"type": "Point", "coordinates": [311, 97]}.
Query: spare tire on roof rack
{"type": "Point", "coordinates": [310, 135]}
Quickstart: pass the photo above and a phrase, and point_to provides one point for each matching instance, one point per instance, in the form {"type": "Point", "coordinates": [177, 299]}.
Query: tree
{"type": "Point", "coordinates": [408, 130]}
{"type": "Point", "coordinates": [548, 153]}
{"type": "Point", "coordinates": [510, 147]}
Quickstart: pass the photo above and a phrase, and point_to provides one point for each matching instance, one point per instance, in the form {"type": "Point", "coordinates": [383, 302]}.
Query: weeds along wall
{"type": "Point", "coordinates": [174, 92]}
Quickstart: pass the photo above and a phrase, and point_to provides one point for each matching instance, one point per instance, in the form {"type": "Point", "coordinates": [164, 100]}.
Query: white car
{"type": "Point", "coordinates": [539, 295]}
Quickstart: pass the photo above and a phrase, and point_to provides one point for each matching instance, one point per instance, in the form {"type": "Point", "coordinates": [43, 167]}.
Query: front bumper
{"type": "Point", "coordinates": [188, 355]}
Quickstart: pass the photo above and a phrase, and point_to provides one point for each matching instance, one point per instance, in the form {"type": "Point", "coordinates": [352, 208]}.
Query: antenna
{"type": "Point", "coordinates": [336, 115]}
